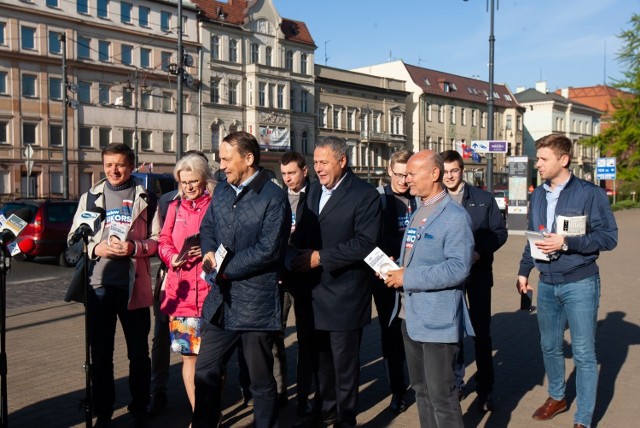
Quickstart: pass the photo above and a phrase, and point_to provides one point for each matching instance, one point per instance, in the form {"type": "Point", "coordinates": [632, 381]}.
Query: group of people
{"type": "Point", "coordinates": [237, 254]}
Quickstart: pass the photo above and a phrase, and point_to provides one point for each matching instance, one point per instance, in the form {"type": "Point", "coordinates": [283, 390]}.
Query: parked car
{"type": "Point", "coordinates": [502, 199]}
{"type": "Point", "coordinates": [49, 226]}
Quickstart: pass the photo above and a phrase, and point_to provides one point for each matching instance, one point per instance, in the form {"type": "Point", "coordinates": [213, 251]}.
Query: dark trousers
{"type": "Point", "coordinates": [279, 350]}
{"type": "Point", "coordinates": [106, 305]}
{"type": "Point", "coordinates": [391, 337]}
{"type": "Point", "coordinates": [479, 296]}
{"type": "Point", "coordinates": [339, 373]}
{"type": "Point", "coordinates": [160, 351]}
{"type": "Point", "coordinates": [431, 374]}
{"type": "Point", "coordinates": [306, 367]}
{"type": "Point", "coordinates": [216, 349]}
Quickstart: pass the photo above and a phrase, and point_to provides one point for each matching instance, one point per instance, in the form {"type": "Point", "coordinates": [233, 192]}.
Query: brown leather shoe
{"type": "Point", "coordinates": [549, 409]}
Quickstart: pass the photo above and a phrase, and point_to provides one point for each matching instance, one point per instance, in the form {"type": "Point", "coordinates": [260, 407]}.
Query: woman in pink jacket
{"type": "Point", "coordinates": [184, 290]}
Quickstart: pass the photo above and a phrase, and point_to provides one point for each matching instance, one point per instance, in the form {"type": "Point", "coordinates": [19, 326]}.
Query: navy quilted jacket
{"type": "Point", "coordinates": [254, 226]}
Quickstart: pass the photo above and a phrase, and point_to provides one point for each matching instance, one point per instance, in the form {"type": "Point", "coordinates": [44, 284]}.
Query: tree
{"type": "Point", "coordinates": [622, 139]}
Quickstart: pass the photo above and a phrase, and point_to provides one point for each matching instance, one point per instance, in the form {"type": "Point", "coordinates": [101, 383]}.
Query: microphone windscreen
{"type": "Point", "coordinates": [26, 245]}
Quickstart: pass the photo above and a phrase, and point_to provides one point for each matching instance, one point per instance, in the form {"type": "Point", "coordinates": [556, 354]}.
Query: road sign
{"type": "Point", "coordinates": [28, 152]}
{"type": "Point", "coordinates": [491, 146]}
{"type": "Point", "coordinates": [29, 164]}
{"type": "Point", "coordinates": [606, 168]}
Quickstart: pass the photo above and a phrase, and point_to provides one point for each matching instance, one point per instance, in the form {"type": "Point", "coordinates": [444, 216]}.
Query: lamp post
{"type": "Point", "coordinates": [179, 88]}
{"type": "Point", "coordinates": [135, 120]}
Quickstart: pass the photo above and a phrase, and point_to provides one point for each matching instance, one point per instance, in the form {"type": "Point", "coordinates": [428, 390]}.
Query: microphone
{"type": "Point", "coordinates": [20, 250]}
{"type": "Point", "coordinates": [14, 225]}
{"type": "Point", "coordinates": [90, 221]}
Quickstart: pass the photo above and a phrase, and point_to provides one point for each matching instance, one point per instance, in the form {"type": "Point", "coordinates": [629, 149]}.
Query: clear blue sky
{"type": "Point", "coordinates": [560, 41]}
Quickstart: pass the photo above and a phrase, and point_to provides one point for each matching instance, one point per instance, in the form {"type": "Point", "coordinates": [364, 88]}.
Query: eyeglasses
{"type": "Point", "coordinates": [192, 183]}
{"type": "Point", "coordinates": [399, 176]}
{"type": "Point", "coordinates": [454, 171]}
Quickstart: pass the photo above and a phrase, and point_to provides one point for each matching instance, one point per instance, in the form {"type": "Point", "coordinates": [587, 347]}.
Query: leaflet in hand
{"type": "Point", "coordinates": [536, 252]}
{"type": "Point", "coordinates": [571, 226]}
{"type": "Point", "coordinates": [190, 242]}
{"type": "Point", "coordinates": [209, 273]}
{"type": "Point", "coordinates": [380, 262]}
{"type": "Point", "coordinates": [118, 232]}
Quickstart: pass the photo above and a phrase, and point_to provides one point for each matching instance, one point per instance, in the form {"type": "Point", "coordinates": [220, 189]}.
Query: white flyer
{"type": "Point", "coordinates": [219, 255]}
{"type": "Point", "coordinates": [380, 262]}
{"type": "Point", "coordinates": [118, 232]}
{"type": "Point", "coordinates": [571, 226]}
{"type": "Point", "coordinates": [536, 252]}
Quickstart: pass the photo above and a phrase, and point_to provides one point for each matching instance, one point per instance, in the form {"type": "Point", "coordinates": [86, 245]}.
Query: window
{"type": "Point", "coordinates": [55, 135]}
{"type": "Point", "coordinates": [84, 136]}
{"type": "Point", "coordinates": [519, 122]}
{"type": "Point", "coordinates": [452, 113]}
{"type": "Point", "coordinates": [165, 58]}
{"type": "Point", "coordinates": [105, 137]}
{"type": "Point", "coordinates": [104, 51]}
{"type": "Point", "coordinates": [52, 3]}
{"type": "Point", "coordinates": [127, 137]}
{"type": "Point", "coordinates": [167, 141]}
{"type": "Point", "coordinates": [165, 21]}
{"type": "Point", "coordinates": [145, 101]}
{"type": "Point", "coordinates": [84, 47]}
{"type": "Point", "coordinates": [215, 47]}
{"type": "Point", "coordinates": [215, 91]}
{"type": "Point", "coordinates": [267, 56]}
{"type": "Point", "coordinates": [322, 117]}
{"type": "Point", "coordinates": [55, 46]}
{"type": "Point", "coordinates": [4, 125]}
{"type": "Point", "coordinates": [304, 101]}
{"type": "Point", "coordinates": [167, 102]}
{"type": "Point", "coordinates": [55, 88]}
{"type": "Point", "coordinates": [303, 63]}
{"type": "Point", "coordinates": [126, 54]}
{"type": "Point", "coordinates": [233, 50]}
{"type": "Point", "coordinates": [127, 97]}
{"type": "Point", "coordinates": [5, 182]}
{"type": "Point", "coordinates": [3, 41]}
{"type": "Point", "coordinates": [484, 119]}
{"type": "Point", "coordinates": [474, 117]}
{"type": "Point", "coordinates": [29, 85]}
{"type": "Point", "coordinates": [336, 118]}
{"type": "Point", "coordinates": [185, 103]}
{"type": "Point", "coordinates": [84, 92]}
{"type": "Point", "coordinates": [292, 99]}
{"type": "Point", "coordinates": [28, 38]}
{"type": "Point", "coordinates": [29, 133]}
{"type": "Point", "coordinates": [233, 92]}
{"type": "Point", "coordinates": [292, 139]}
{"type": "Point", "coordinates": [145, 140]}
{"type": "Point", "coordinates": [82, 6]}
{"type": "Point", "coordinates": [103, 94]}
{"type": "Point", "coordinates": [509, 124]}
{"type": "Point", "coordinates": [145, 57]}
{"type": "Point", "coordinates": [255, 53]}
{"type": "Point", "coordinates": [262, 87]}
{"type": "Point", "coordinates": [3, 82]}
{"type": "Point", "coordinates": [288, 64]}
{"type": "Point", "coordinates": [463, 116]}
{"type": "Point", "coordinates": [428, 109]}
{"type": "Point", "coordinates": [304, 142]}
{"type": "Point", "coordinates": [280, 100]}
{"type": "Point", "coordinates": [351, 120]}
{"type": "Point", "coordinates": [441, 113]}
{"type": "Point", "coordinates": [125, 12]}
{"type": "Point", "coordinates": [143, 16]}
{"type": "Point", "coordinates": [103, 9]}
{"type": "Point", "coordinates": [55, 181]}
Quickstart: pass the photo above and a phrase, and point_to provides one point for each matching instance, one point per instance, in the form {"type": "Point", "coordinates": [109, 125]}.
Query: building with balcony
{"type": "Point", "coordinates": [258, 77]}
{"type": "Point", "coordinates": [548, 112]}
{"type": "Point", "coordinates": [446, 111]}
{"type": "Point", "coordinates": [368, 111]}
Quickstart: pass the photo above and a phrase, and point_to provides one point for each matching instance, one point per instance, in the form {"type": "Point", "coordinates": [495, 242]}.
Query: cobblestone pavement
{"type": "Point", "coordinates": [45, 349]}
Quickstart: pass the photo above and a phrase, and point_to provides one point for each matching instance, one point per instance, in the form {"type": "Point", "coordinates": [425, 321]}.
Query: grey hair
{"type": "Point", "coordinates": [337, 145]}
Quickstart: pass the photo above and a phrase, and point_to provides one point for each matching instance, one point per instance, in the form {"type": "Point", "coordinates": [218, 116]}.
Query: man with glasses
{"type": "Point", "coordinates": [397, 206]}
{"type": "Point", "coordinates": [489, 233]}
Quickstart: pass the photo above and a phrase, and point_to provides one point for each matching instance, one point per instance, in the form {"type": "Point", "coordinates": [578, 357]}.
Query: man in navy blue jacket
{"type": "Point", "coordinates": [251, 217]}
{"type": "Point", "coordinates": [489, 234]}
{"type": "Point", "coordinates": [580, 224]}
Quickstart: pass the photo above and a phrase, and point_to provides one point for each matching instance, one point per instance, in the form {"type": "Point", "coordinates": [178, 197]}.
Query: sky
{"type": "Point", "coordinates": [563, 42]}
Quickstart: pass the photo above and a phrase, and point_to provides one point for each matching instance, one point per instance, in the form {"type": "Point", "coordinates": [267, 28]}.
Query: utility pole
{"type": "Point", "coordinates": [136, 145]}
{"type": "Point", "coordinates": [180, 89]}
{"type": "Point", "coordinates": [490, 101]}
{"type": "Point", "coordinates": [65, 120]}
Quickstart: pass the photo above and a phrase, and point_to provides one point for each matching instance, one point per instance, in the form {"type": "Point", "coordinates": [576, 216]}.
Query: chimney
{"type": "Point", "coordinates": [520, 89]}
{"type": "Point", "coordinates": [565, 92]}
{"type": "Point", "coordinates": [541, 86]}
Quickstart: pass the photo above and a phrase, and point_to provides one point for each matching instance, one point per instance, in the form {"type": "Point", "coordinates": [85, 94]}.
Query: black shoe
{"type": "Point", "coordinates": [397, 404]}
{"type": "Point", "coordinates": [157, 403]}
{"type": "Point", "coordinates": [103, 422]}
{"type": "Point", "coordinates": [330, 418]}
{"type": "Point", "coordinates": [485, 403]}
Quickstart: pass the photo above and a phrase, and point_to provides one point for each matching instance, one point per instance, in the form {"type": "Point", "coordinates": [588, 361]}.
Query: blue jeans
{"type": "Point", "coordinates": [575, 303]}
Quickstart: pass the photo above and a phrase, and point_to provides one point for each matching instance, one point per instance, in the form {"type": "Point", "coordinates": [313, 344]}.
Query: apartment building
{"type": "Point", "coordinates": [600, 97]}
{"type": "Point", "coordinates": [257, 76]}
{"type": "Point", "coordinates": [119, 57]}
{"type": "Point", "coordinates": [368, 111]}
{"type": "Point", "coordinates": [548, 112]}
{"type": "Point", "coordinates": [446, 111]}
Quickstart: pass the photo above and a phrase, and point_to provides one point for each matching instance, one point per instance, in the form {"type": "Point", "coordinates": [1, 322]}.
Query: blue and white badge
{"type": "Point", "coordinates": [411, 237]}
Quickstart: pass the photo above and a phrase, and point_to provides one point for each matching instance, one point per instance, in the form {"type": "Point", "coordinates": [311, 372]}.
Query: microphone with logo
{"type": "Point", "coordinates": [12, 227]}
{"type": "Point", "coordinates": [20, 250]}
{"type": "Point", "coordinates": [90, 221]}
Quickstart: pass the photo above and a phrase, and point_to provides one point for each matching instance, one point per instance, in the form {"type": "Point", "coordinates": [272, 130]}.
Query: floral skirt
{"type": "Point", "coordinates": [185, 335]}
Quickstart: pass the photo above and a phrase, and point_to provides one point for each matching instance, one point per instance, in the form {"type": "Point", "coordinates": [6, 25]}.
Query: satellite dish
{"type": "Point", "coordinates": [73, 88]}
{"type": "Point", "coordinates": [189, 80]}
{"type": "Point", "coordinates": [73, 104]}
{"type": "Point", "coordinates": [188, 60]}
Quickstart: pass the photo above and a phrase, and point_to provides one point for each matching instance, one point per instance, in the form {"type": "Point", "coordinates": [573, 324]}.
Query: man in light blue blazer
{"type": "Point", "coordinates": [437, 255]}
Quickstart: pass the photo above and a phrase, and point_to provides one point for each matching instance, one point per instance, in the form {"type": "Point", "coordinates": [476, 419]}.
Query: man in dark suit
{"type": "Point", "coordinates": [339, 230]}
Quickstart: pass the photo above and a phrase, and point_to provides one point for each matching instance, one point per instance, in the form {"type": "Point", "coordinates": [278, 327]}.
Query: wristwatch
{"type": "Point", "coordinates": [565, 246]}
